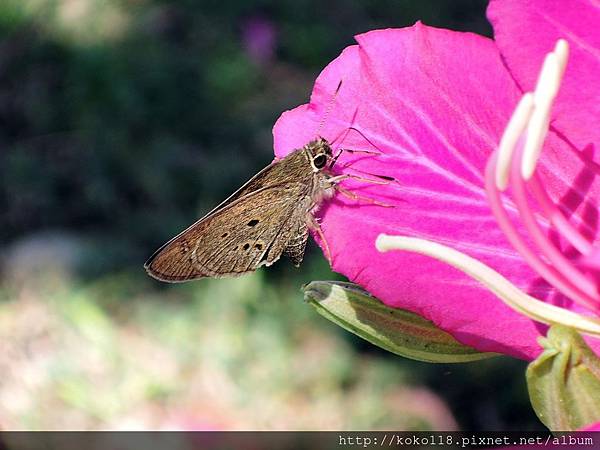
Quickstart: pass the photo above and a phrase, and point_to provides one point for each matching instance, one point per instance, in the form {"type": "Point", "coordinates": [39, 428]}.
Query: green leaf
{"type": "Point", "coordinates": [564, 381]}
{"type": "Point", "coordinates": [396, 330]}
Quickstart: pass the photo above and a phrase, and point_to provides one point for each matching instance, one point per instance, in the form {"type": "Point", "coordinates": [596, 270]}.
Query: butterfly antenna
{"type": "Point", "coordinates": [349, 150]}
{"type": "Point", "coordinates": [365, 138]}
{"type": "Point", "coordinates": [329, 106]}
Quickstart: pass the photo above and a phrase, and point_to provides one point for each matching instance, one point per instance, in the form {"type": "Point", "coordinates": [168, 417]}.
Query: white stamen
{"type": "Point", "coordinates": [513, 131]}
{"type": "Point", "coordinates": [545, 92]}
{"type": "Point", "coordinates": [496, 283]}
{"type": "Point", "coordinates": [561, 50]}
{"type": "Point", "coordinates": [546, 86]}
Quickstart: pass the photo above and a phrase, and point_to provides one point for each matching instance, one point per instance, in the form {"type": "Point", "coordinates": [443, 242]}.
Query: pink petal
{"type": "Point", "coordinates": [591, 427]}
{"type": "Point", "coordinates": [435, 103]}
{"type": "Point", "coordinates": [526, 30]}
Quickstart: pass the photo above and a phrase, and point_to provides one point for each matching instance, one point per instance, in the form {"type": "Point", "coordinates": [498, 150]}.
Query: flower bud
{"type": "Point", "coordinates": [396, 330]}
{"type": "Point", "coordinates": [564, 381]}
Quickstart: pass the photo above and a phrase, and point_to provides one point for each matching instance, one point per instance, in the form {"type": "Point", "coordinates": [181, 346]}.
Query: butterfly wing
{"type": "Point", "coordinates": [249, 232]}
{"type": "Point", "coordinates": [275, 174]}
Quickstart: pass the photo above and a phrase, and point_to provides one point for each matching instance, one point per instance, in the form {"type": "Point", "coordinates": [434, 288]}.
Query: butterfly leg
{"type": "Point", "coordinates": [337, 178]}
{"type": "Point", "coordinates": [387, 178]}
{"type": "Point", "coordinates": [335, 183]}
{"type": "Point", "coordinates": [354, 196]}
{"type": "Point", "coordinates": [314, 225]}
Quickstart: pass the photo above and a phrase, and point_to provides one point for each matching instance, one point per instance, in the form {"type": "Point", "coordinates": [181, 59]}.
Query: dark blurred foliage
{"type": "Point", "coordinates": [129, 139]}
{"type": "Point", "coordinates": [125, 139]}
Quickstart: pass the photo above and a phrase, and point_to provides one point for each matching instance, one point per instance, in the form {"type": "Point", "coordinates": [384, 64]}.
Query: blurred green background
{"type": "Point", "coordinates": [121, 122]}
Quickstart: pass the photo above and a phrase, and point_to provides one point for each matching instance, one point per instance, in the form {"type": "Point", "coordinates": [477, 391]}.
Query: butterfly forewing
{"type": "Point", "coordinates": [248, 232]}
{"type": "Point", "coordinates": [267, 217]}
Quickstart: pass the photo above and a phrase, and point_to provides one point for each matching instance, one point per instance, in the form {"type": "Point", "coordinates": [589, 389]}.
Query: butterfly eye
{"type": "Point", "coordinates": [320, 160]}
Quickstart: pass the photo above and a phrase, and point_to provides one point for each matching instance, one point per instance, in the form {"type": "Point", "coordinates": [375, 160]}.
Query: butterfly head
{"type": "Point", "coordinates": [319, 153]}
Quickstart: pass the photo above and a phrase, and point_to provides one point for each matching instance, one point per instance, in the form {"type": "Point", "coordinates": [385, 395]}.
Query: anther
{"type": "Point", "coordinates": [514, 130]}
{"type": "Point", "coordinates": [545, 92]}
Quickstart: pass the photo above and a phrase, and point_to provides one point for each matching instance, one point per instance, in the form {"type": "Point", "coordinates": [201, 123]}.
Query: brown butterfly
{"type": "Point", "coordinates": [267, 217]}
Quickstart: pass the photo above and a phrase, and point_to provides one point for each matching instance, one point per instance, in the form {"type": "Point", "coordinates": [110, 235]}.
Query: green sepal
{"type": "Point", "coordinates": [396, 330]}
{"type": "Point", "coordinates": [564, 381]}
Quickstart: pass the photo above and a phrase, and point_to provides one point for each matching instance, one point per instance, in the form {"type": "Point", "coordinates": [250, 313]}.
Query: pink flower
{"type": "Point", "coordinates": [435, 104]}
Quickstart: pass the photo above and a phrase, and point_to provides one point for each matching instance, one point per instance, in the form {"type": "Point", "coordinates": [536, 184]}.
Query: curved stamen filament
{"type": "Point", "coordinates": [565, 271]}
{"type": "Point", "coordinates": [496, 283]}
{"type": "Point", "coordinates": [547, 272]}
{"type": "Point", "coordinates": [524, 150]}
{"type": "Point", "coordinates": [557, 218]}
{"type": "Point", "coordinates": [545, 93]}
